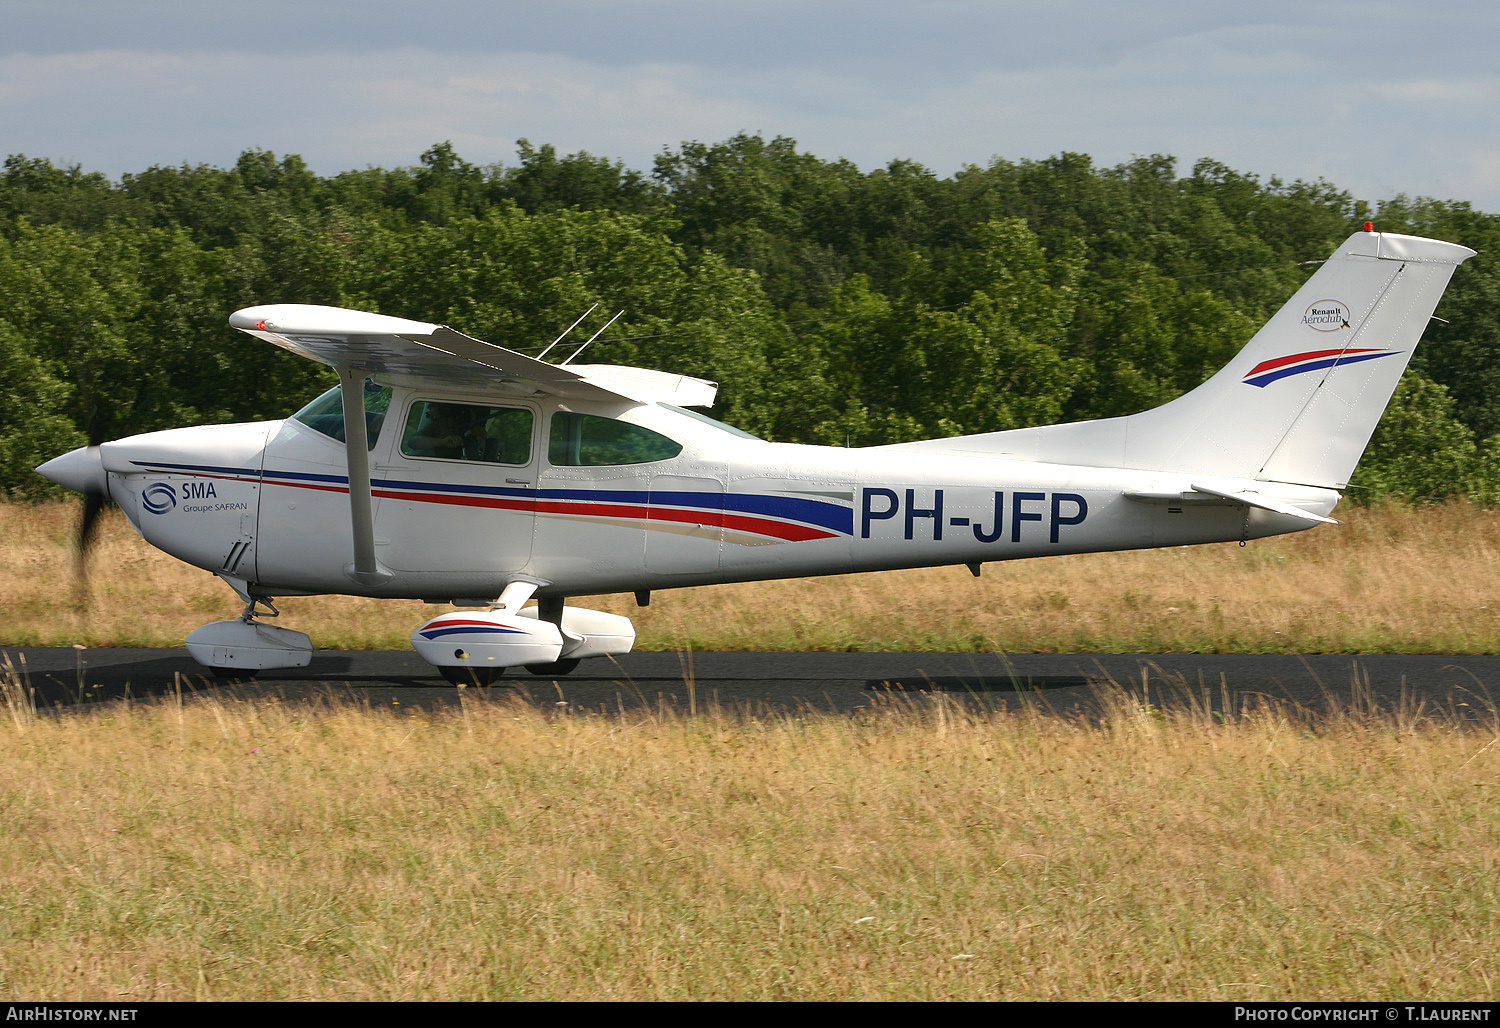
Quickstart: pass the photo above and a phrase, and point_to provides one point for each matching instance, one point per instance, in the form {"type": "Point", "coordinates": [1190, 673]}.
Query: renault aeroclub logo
{"type": "Point", "coordinates": [1326, 316]}
{"type": "Point", "coordinates": [159, 498]}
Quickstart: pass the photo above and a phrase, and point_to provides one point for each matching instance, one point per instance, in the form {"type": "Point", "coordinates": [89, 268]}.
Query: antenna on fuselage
{"type": "Point", "coordinates": [565, 333]}
{"type": "Point", "coordinates": [591, 338]}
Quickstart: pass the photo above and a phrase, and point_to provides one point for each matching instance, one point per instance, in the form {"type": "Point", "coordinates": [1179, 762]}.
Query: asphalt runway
{"type": "Point", "coordinates": [1065, 683]}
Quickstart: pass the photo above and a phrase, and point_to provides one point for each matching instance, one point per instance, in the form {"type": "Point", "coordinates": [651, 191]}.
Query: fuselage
{"type": "Point", "coordinates": [473, 491]}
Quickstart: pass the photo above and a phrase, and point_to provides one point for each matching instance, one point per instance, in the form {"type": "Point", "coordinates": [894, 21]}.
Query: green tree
{"type": "Point", "coordinates": [32, 429]}
{"type": "Point", "coordinates": [1419, 451]}
{"type": "Point", "coordinates": [545, 182]}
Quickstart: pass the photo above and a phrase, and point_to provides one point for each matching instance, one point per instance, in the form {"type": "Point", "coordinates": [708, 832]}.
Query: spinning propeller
{"type": "Point", "coordinates": [91, 481]}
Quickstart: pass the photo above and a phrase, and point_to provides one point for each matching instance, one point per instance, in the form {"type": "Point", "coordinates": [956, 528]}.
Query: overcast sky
{"type": "Point", "coordinates": [1377, 97]}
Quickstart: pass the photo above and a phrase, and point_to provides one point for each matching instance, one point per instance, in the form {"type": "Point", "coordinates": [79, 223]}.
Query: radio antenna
{"type": "Point", "coordinates": [596, 335]}
{"type": "Point", "coordinates": [565, 332]}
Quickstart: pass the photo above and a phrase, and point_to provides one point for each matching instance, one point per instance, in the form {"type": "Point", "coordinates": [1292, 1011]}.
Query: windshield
{"type": "Point", "coordinates": [326, 413]}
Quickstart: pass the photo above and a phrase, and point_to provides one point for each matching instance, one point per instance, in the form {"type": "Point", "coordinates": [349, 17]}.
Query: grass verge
{"type": "Point", "coordinates": [1392, 579]}
{"type": "Point", "coordinates": [236, 850]}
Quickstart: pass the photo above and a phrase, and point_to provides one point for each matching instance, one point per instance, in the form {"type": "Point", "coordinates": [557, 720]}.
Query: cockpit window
{"type": "Point", "coordinates": [468, 431]}
{"type": "Point", "coordinates": [585, 440]}
{"type": "Point", "coordinates": [326, 413]}
{"type": "Point", "coordinates": [711, 421]}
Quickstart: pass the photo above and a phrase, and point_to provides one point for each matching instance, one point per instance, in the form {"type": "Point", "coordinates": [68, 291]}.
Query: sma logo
{"type": "Point", "coordinates": [159, 498]}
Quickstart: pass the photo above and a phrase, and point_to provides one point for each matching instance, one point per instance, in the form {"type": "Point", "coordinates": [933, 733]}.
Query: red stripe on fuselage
{"type": "Point", "coordinates": [713, 518]}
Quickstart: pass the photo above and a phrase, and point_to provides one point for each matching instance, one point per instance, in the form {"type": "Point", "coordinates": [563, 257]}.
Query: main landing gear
{"type": "Point", "coordinates": [467, 647]}
{"type": "Point", "coordinates": [548, 639]}
{"type": "Point", "coordinates": [467, 675]}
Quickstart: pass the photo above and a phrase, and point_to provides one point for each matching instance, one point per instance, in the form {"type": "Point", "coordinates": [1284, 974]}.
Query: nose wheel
{"type": "Point", "coordinates": [238, 649]}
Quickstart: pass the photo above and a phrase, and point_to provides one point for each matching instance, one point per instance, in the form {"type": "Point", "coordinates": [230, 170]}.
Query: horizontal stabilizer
{"type": "Point", "coordinates": [1254, 499]}
{"type": "Point", "coordinates": [1291, 500]}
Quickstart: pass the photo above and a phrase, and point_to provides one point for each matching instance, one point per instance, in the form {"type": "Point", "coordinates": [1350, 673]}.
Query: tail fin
{"type": "Point", "coordinates": [1298, 404]}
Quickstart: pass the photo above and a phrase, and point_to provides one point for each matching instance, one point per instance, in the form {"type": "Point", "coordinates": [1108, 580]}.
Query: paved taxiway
{"type": "Point", "coordinates": [828, 681]}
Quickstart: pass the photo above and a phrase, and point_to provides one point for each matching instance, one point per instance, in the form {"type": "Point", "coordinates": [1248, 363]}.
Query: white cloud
{"type": "Point", "coordinates": [1277, 98]}
{"type": "Point", "coordinates": [1452, 91]}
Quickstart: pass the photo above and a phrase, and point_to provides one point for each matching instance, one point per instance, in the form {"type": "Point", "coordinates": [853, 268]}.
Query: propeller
{"type": "Point", "coordinates": [95, 496]}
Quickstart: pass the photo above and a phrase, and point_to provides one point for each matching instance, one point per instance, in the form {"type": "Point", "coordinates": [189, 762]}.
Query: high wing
{"type": "Point", "coordinates": [379, 344]}
{"type": "Point", "coordinates": [357, 344]}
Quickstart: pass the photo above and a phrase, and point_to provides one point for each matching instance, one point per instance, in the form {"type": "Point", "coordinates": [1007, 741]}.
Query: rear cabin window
{"type": "Point", "coordinates": [585, 440]}
{"type": "Point", "coordinates": [326, 413]}
{"type": "Point", "coordinates": [466, 431]}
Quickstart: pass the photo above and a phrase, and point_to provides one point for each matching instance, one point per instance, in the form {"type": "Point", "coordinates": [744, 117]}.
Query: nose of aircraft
{"type": "Point", "coordinates": [81, 470]}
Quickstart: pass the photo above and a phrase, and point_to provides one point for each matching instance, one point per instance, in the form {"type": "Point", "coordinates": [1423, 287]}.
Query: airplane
{"type": "Point", "coordinates": [456, 471]}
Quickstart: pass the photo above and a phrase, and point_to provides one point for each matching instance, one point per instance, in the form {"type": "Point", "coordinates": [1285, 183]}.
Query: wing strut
{"type": "Point", "coordinates": [365, 570]}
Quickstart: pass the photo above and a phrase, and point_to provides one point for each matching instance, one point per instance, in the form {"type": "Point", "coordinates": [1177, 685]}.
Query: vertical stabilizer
{"type": "Point", "coordinates": [1333, 426]}
{"type": "Point", "coordinates": [1298, 404]}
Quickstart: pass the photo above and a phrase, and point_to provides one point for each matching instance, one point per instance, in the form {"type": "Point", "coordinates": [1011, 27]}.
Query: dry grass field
{"type": "Point", "coordinates": [237, 850]}
{"type": "Point", "coordinates": [1393, 579]}
{"type": "Point", "coordinates": [209, 847]}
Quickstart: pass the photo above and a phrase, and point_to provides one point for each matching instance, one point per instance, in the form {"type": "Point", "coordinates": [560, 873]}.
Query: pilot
{"type": "Point", "coordinates": [441, 432]}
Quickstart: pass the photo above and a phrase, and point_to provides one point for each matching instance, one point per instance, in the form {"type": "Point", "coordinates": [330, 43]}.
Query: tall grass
{"type": "Point", "coordinates": [1392, 579]}
{"type": "Point", "coordinates": [222, 849]}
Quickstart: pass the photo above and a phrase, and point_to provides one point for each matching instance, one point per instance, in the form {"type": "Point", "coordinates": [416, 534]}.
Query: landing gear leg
{"type": "Point", "coordinates": [250, 613]}
{"type": "Point", "coordinates": [551, 609]}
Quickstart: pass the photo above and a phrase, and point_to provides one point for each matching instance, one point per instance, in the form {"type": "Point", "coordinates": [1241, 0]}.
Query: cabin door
{"type": "Point", "coordinates": [459, 490]}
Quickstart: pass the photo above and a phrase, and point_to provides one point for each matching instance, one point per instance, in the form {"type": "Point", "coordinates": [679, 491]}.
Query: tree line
{"type": "Point", "coordinates": [835, 305]}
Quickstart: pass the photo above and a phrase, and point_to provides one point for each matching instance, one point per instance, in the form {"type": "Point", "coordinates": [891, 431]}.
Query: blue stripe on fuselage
{"type": "Point", "coordinates": [831, 516]}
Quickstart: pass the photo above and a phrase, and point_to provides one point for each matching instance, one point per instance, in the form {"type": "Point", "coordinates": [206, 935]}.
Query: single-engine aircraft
{"type": "Point", "coordinates": [452, 470]}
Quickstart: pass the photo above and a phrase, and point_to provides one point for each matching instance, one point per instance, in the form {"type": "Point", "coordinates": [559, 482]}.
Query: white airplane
{"type": "Point", "coordinates": [482, 477]}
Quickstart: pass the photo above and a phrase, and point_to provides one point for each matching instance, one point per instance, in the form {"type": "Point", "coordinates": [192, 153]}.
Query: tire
{"type": "Point", "coordinates": [557, 667]}
{"type": "Point", "coordinates": [465, 675]}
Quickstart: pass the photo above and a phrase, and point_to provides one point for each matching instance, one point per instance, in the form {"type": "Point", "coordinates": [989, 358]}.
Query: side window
{"type": "Point", "coordinates": [466, 431]}
{"type": "Point", "coordinates": [326, 413]}
{"type": "Point", "coordinates": [583, 440]}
